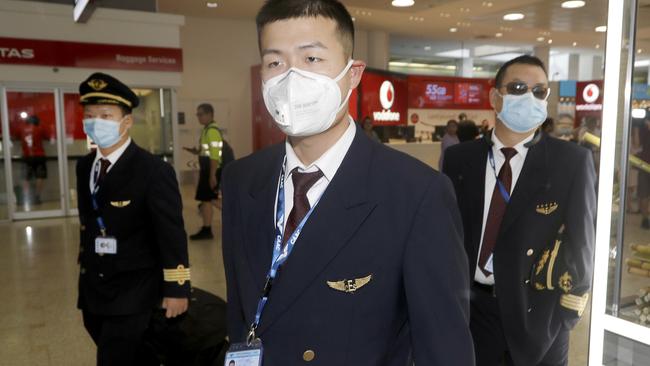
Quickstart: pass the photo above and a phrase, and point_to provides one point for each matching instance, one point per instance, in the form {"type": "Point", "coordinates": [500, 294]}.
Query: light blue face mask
{"type": "Point", "coordinates": [522, 113]}
{"type": "Point", "coordinates": [104, 132]}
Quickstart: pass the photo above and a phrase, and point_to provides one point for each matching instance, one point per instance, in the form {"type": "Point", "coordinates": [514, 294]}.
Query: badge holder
{"type": "Point", "coordinates": [245, 354]}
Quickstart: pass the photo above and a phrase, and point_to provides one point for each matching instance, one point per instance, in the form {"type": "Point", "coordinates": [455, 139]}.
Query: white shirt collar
{"type": "Point", "coordinates": [520, 147]}
{"type": "Point", "coordinates": [329, 162]}
{"type": "Point", "coordinates": [115, 155]}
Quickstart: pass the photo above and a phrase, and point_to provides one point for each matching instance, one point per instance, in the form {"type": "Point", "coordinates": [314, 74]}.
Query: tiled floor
{"type": "Point", "coordinates": [39, 323]}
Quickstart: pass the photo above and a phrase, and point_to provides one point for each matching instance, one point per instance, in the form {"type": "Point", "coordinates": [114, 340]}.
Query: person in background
{"type": "Point", "coordinates": [449, 139]}
{"type": "Point", "coordinates": [368, 130]}
{"type": "Point", "coordinates": [210, 156]}
{"type": "Point", "coordinates": [643, 186]}
{"type": "Point", "coordinates": [31, 139]}
{"type": "Point", "coordinates": [133, 254]}
{"type": "Point", "coordinates": [462, 117]}
{"type": "Point", "coordinates": [591, 126]}
{"type": "Point", "coordinates": [485, 127]}
{"type": "Point", "coordinates": [548, 126]}
{"type": "Point", "coordinates": [529, 225]}
{"type": "Point", "coordinates": [467, 131]}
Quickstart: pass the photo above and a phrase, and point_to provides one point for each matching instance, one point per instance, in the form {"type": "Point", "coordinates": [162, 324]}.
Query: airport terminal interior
{"type": "Point", "coordinates": [429, 61]}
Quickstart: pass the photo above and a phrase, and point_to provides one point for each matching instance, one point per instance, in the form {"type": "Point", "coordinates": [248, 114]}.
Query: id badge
{"type": "Point", "coordinates": [241, 354]}
{"type": "Point", "coordinates": [489, 265]}
{"type": "Point", "coordinates": [105, 245]}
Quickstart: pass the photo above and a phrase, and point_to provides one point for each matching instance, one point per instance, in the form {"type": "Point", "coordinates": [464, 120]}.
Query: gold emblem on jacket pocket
{"type": "Point", "coordinates": [120, 204]}
{"type": "Point", "coordinates": [349, 286]}
{"type": "Point", "coordinates": [546, 208]}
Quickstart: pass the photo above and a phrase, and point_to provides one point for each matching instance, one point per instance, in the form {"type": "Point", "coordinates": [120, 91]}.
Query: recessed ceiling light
{"type": "Point", "coordinates": [211, 5]}
{"type": "Point", "coordinates": [550, 41]}
{"type": "Point", "coordinates": [597, 46]}
{"type": "Point", "coordinates": [540, 39]}
{"type": "Point", "coordinates": [354, 19]}
{"type": "Point", "coordinates": [499, 35]}
{"type": "Point", "coordinates": [573, 4]}
{"type": "Point", "coordinates": [514, 16]}
{"type": "Point", "coordinates": [601, 29]}
{"type": "Point", "coordinates": [453, 30]}
{"type": "Point", "coordinates": [403, 3]}
{"type": "Point", "coordinates": [575, 44]}
{"type": "Point", "coordinates": [639, 50]}
{"type": "Point", "coordinates": [427, 48]}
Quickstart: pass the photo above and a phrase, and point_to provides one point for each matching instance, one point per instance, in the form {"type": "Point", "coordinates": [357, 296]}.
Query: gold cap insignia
{"type": "Point", "coordinates": [180, 274]}
{"type": "Point", "coordinates": [349, 286]}
{"type": "Point", "coordinates": [97, 84]}
{"type": "Point", "coordinates": [566, 282]}
{"type": "Point", "coordinates": [120, 204]}
{"type": "Point", "coordinates": [546, 208]}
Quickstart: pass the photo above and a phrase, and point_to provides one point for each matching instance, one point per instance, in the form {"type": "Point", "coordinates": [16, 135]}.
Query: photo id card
{"type": "Point", "coordinates": [241, 354]}
{"type": "Point", "coordinates": [105, 245]}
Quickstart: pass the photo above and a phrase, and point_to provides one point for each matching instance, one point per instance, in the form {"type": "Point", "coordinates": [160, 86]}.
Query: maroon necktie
{"type": "Point", "coordinates": [302, 182]}
{"type": "Point", "coordinates": [105, 163]}
{"type": "Point", "coordinates": [497, 210]}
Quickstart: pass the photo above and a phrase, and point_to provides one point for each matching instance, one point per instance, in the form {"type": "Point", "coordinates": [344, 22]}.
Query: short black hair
{"type": "Point", "coordinates": [452, 122]}
{"type": "Point", "coordinates": [467, 131]}
{"type": "Point", "coordinates": [206, 108]}
{"type": "Point", "coordinates": [525, 60]}
{"type": "Point", "coordinates": [125, 110]}
{"type": "Point", "coordinates": [276, 10]}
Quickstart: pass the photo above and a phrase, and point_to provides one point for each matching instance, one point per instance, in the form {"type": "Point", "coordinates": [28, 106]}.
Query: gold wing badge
{"type": "Point", "coordinates": [546, 208]}
{"type": "Point", "coordinates": [120, 204]}
{"type": "Point", "coordinates": [349, 286]}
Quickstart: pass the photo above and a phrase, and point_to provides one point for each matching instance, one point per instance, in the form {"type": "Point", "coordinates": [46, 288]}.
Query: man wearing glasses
{"type": "Point", "coordinates": [527, 203]}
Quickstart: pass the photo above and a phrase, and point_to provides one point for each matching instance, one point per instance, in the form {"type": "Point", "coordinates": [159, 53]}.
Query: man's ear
{"type": "Point", "coordinates": [495, 100]}
{"type": "Point", "coordinates": [356, 71]}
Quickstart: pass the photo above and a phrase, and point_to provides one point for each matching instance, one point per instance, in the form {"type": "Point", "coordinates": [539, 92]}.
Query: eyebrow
{"type": "Point", "coordinates": [316, 44]}
{"type": "Point", "coordinates": [307, 46]}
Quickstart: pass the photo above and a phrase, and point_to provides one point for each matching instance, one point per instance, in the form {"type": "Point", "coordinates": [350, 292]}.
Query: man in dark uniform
{"type": "Point", "coordinates": [528, 206]}
{"type": "Point", "coordinates": [377, 274]}
{"type": "Point", "coordinates": [133, 252]}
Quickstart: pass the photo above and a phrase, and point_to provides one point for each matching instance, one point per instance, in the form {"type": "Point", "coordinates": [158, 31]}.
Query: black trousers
{"type": "Point", "coordinates": [120, 339]}
{"type": "Point", "coordinates": [490, 344]}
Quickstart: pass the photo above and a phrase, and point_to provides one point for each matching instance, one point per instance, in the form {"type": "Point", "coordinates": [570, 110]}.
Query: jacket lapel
{"type": "Point", "coordinates": [118, 176]}
{"type": "Point", "coordinates": [474, 181]}
{"type": "Point", "coordinates": [342, 209]}
{"type": "Point", "coordinates": [533, 177]}
{"type": "Point", "coordinates": [258, 206]}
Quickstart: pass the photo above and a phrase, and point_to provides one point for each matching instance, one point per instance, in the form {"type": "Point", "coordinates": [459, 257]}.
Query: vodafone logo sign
{"type": "Point", "coordinates": [387, 94]}
{"type": "Point", "coordinates": [591, 93]}
{"type": "Point", "coordinates": [386, 98]}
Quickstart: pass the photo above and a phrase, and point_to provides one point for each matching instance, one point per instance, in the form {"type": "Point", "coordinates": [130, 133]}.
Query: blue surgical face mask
{"type": "Point", "coordinates": [522, 113]}
{"type": "Point", "coordinates": [104, 132]}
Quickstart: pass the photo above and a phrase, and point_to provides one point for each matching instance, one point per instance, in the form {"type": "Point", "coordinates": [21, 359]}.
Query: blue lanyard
{"type": "Point", "coordinates": [93, 196]}
{"type": "Point", "coordinates": [502, 189]}
{"type": "Point", "coordinates": [280, 253]}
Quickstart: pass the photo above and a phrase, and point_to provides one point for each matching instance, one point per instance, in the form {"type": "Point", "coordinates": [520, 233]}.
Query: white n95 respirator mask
{"type": "Point", "coordinates": [304, 103]}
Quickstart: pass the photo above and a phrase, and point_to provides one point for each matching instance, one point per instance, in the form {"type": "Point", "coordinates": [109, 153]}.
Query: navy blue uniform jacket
{"type": "Point", "coordinates": [556, 187]}
{"type": "Point", "coordinates": [384, 214]}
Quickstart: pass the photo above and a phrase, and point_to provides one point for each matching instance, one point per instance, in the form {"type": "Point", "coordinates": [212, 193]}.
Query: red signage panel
{"type": "Point", "coordinates": [430, 92]}
{"type": "Point", "coordinates": [589, 100]}
{"type": "Point", "coordinates": [384, 98]}
{"type": "Point", "coordinates": [18, 51]}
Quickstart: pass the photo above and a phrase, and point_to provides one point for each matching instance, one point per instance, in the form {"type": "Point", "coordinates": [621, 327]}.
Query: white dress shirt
{"type": "Point", "coordinates": [112, 157]}
{"type": "Point", "coordinates": [328, 163]}
{"type": "Point", "coordinates": [516, 164]}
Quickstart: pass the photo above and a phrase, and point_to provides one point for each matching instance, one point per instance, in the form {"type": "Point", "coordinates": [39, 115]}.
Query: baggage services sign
{"type": "Point", "coordinates": [18, 51]}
